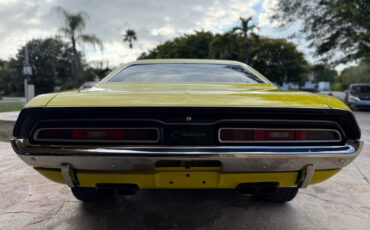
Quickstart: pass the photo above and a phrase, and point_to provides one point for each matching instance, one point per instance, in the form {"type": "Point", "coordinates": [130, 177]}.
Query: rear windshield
{"type": "Point", "coordinates": [358, 89]}
{"type": "Point", "coordinates": [186, 72]}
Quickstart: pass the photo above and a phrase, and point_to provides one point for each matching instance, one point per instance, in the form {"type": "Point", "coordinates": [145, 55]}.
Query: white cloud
{"type": "Point", "coordinates": [267, 11]}
{"type": "Point", "coordinates": [155, 21]}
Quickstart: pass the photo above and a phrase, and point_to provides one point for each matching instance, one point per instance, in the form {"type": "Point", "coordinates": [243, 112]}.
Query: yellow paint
{"type": "Point", "coordinates": [186, 94]}
{"type": "Point", "coordinates": [185, 178]}
{"type": "Point", "coordinates": [176, 94]}
{"type": "Point", "coordinates": [40, 100]}
{"type": "Point", "coordinates": [52, 174]}
{"type": "Point", "coordinates": [322, 175]}
{"type": "Point", "coordinates": [334, 102]}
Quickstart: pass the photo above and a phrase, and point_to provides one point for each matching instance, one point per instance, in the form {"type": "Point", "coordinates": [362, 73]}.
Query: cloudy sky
{"type": "Point", "coordinates": [155, 21]}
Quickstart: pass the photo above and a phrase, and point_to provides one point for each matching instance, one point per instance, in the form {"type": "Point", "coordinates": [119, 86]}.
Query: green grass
{"type": "Point", "coordinates": [9, 106]}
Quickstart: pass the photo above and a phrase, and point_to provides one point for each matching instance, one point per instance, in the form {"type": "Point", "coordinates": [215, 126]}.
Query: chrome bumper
{"type": "Point", "coordinates": [232, 158]}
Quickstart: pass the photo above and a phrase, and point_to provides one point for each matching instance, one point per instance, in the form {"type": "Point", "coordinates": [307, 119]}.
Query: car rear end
{"type": "Point", "coordinates": [256, 150]}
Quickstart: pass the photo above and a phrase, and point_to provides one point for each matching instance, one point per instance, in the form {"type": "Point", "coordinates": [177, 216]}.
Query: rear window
{"type": "Point", "coordinates": [186, 72]}
{"type": "Point", "coordinates": [358, 89]}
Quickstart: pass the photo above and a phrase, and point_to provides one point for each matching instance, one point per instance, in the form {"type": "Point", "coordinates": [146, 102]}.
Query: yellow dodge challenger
{"type": "Point", "coordinates": [186, 124]}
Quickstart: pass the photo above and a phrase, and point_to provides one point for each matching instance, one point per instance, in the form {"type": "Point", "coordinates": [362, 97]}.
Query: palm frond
{"type": "Point", "coordinates": [235, 29]}
{"type": "Point", "coordinates": [62, 12]}
{"type": "Point", "coordinates": [244, 27]}
{"type": "Point", "coordinates": [91, 40]}
{"type": "Point", "coordinates": [129, 37]}
{"type": "Point", "coordinates": [66, 31]}
{"type": "Point", "coordinates": [76, 22]}
{"type": "Point", "coordinates": [84, 15]}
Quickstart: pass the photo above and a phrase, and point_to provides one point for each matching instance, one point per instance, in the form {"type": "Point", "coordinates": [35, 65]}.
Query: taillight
{"type": "Point", "coordinates": [250, 135]}
{"type": "Point", "coordinates": [145, 135]}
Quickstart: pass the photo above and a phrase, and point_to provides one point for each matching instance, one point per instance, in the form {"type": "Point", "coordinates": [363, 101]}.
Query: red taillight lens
{"type": "Point", "coordinates": [279, 135]}
{"type": "Point", "coordinates": [99, 134]}
{"type": "Point", "coordinates": [235, 135]}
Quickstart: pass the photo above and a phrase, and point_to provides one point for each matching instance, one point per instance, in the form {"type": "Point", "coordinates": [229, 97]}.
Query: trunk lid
{"type": "Point", "coordinates": [185, 94]}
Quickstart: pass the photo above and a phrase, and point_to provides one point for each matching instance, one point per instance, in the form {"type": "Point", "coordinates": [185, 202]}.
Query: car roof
{"type": "Point", "coordinates": [206, 61]}
{"type": "Point", "coordinates": [359, 84]}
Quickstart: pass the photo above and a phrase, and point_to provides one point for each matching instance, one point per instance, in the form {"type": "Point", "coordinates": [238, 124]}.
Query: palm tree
{"type": "Point", "coordinates": [224, 46]}
{"type": "Point", "coordinates": [74, 24]}
{"type": "Point", "coordinates": [129, 37]}
{"type": "Point", "coordinates": [243, 30]}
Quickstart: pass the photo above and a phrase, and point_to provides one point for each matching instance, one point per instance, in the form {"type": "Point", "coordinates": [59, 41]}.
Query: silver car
{"type": "Point", "coordinates": [358, 96]}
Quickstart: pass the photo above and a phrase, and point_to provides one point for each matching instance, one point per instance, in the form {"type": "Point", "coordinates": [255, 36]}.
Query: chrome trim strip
{"type": "Point", "coordinates": [199, 123]}
{"type": "Point", "coordinates": [282, 141]}
{"type": "Point", "coordinates": [24, 147]}
{"type": "Point", "coordinates": [243, 159]}
{"type": "Point", "coordinates": [35, 136]}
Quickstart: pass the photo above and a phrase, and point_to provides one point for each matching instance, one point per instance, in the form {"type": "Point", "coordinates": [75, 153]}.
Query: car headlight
{"type": "Point", "coordinates": [354, 98]}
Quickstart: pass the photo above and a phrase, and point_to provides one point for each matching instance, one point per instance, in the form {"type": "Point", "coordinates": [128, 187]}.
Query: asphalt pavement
{"type": "Point", "coordinates": [29, 201]}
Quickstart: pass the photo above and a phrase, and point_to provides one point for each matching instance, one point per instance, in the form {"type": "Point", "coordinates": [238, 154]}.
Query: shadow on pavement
{"type": "Point", "coordinates": [181, 209]}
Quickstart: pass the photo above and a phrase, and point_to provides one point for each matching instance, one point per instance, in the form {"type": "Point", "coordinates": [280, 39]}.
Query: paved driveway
{"type": "Point", "coordinates": [29, 201]}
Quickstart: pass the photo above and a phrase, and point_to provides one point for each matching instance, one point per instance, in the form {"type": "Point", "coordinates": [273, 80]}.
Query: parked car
{"type": "Point", "coordinates": [358, 96]}
{"type": "Point", "coordinates": [186, 124]}
{"type": "Point", "coordinates": [88, 84]}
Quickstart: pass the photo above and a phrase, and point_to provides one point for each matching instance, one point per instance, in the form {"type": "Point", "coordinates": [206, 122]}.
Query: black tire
{"type": "Point", "coordinates": [92, 194]}
{"type": "Point", "coordinates": [279, 195]}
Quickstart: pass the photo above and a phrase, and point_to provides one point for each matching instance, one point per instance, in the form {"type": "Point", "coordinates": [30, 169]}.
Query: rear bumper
{"type": "Point", "coordinates": [182, 178]}
{"type": "Point", "coordinates": [231, 158]}
{"type": "Point", "coordinates": [362, 104]}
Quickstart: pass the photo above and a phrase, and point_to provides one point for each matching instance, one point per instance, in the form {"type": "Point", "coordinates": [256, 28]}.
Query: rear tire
{"type": "Point", "coordinates": [92, 194]}
{"type": "Point", "coordinates": [279, 195]}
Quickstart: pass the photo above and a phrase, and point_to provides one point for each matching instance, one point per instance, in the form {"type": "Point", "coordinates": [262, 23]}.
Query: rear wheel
{"type": "Point", "coordinates": [279, 195]}
{"type": "Point", "coordinates": [92, 194]}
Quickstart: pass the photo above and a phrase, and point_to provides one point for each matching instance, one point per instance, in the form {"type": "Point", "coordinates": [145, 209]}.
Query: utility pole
{"type": "Point", "coordinates": [29, 90]}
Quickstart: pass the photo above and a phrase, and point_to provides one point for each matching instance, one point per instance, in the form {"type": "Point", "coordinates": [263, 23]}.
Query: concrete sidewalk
{"type": "Point", "coordinates": [9, 116]}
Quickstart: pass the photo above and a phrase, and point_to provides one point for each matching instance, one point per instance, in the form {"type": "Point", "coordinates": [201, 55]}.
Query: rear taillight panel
{"type": "Point", "coordinates": [253, 135]}
{"type": "Point", "coordinates": [98, 135]}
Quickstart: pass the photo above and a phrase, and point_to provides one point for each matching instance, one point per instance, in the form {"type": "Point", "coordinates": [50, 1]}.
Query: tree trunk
{"type": "Point", "coordinates": [245, 46]}
{"type": "Point", "coordinates": [76, 60]}
{"type": "Point", "coordinates": [54, 66]}
{"type": "Point", "coordinates": [245, 49]}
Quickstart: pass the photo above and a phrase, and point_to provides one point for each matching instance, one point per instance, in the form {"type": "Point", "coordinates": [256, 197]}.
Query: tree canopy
{"type": "Point", "coordinates": [50, 61]}
{"type": "Point", "coordinates": [277, 59]}
{"type": "Point", "coordinates": [323, 72]}
{"type": "Point", "coordinates": [188, 46]}
{"type": "Point", "coordinates": [338, 30]}
{"type": "Point", "coordinates": [355, 74]}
